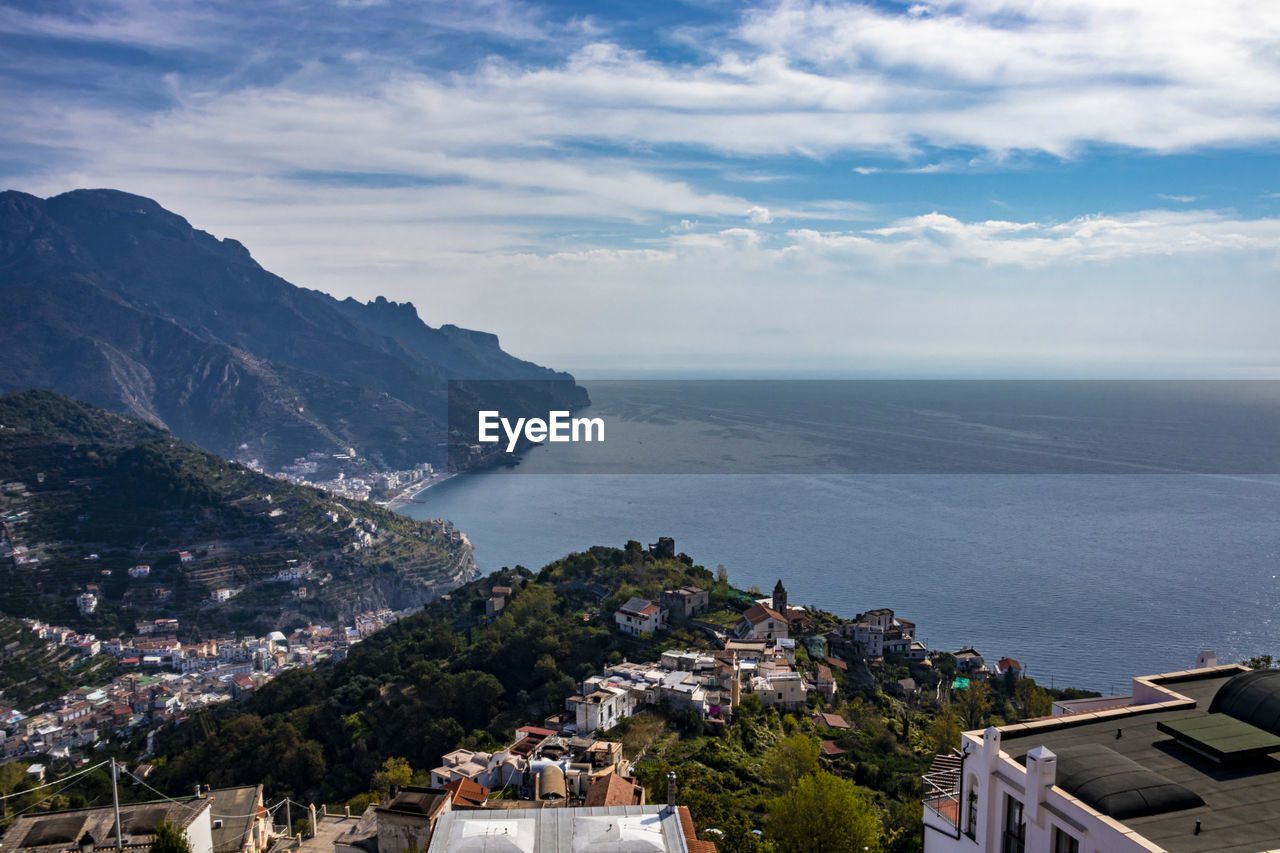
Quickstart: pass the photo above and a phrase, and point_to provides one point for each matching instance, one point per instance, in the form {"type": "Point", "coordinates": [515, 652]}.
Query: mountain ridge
{"type": "Point", "coordinates": [115, 300]}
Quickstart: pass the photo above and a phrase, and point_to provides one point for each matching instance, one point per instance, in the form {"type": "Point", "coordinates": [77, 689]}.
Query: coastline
{"type": "Point", "coordinates": [407, 495]}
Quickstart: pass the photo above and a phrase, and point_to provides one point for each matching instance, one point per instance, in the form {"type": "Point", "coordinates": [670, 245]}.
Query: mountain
{"type": "Point", "coordinates": [112, 299]}
{"type": "Point", "coordinates": [86, 495]}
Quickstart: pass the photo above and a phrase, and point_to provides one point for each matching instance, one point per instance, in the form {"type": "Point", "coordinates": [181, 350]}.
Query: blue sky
{"type": "Point", "coordinates": [963, 187]}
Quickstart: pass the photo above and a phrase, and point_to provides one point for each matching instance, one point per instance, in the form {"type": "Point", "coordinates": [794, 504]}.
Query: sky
{"type": "Point", "coordinates": [1084, 188]}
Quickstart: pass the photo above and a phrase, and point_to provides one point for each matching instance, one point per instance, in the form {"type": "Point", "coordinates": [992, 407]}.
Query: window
{"type": "Point", "coordinates": [1064, 843]}
{"type": "Point", "coordinates": [1015, 829]}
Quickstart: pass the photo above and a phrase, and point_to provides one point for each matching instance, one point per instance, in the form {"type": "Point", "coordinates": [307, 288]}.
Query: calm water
{"type": "Point", "coordinates": [1087, 579]}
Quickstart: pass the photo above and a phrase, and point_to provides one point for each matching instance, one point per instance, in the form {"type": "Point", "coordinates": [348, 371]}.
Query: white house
{"type": "Point", "coordinates": [640, 616]}
{"type": "Point", "coordinates": [1180, 766]}
{"type": "Point", "coordinates": [761, 622]}
{"type": "Point", "coordinates": [602, 707]}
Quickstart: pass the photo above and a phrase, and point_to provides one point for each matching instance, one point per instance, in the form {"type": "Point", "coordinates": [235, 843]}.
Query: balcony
{"type": "Point", "coordinates": [942, 790]}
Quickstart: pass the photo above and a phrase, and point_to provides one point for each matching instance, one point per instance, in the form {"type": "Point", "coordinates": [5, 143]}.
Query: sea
{"type": "Point", "coordinates": [1093, 531]}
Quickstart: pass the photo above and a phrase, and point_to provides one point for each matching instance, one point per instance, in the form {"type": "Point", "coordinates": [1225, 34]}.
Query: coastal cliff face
{"type": "Point", "coordinates": [112, 299]}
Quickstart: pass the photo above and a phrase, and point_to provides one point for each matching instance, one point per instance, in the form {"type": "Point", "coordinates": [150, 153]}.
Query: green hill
{"type": "Point", "coordinates": [88, 494]}
{"type": "Point", "coordinates": [449, 677]}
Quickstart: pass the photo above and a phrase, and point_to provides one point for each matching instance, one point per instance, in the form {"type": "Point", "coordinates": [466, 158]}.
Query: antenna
{"type": "Point", "coordinates": [115, 801]}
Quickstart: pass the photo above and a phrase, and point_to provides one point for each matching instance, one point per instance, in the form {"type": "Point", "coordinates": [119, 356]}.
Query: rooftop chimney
{"type": "Point", "coordinates": [671, 789]}
{"type": "Point", "coordinates": [1042, 773]}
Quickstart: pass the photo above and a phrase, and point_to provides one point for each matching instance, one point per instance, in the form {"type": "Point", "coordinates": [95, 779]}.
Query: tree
{"type": "Point", "coordinates": [395, 772]}
{"type": "Point", "coordinates": [1033, 698]}
{"type": "Point", "coordinates": [1260, 662]}
{"type": "Point", "coordinates": [973, 703]}
{"type": "Point", "coordinates": [791, 759]}
{"type": "Point", "coordinates": [944, 731]}
{"type": "Point", "coordinates": [823, 814]}
{"type": "Point", "coordinates": [169, 839]}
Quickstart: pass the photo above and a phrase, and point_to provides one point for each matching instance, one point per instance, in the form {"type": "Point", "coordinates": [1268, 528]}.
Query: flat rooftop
{"type": "Point", "coordinates": [1241, 811]}
{"type": "Point", "coordinates": [599, 829]}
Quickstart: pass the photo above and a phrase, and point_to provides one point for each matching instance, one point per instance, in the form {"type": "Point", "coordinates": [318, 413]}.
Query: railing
{"type": "Point", "coordinates": [942, 795]}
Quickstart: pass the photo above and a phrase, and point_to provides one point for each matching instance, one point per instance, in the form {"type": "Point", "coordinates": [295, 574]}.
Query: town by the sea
{"type": "Point", "coordinates": [1086, 578]}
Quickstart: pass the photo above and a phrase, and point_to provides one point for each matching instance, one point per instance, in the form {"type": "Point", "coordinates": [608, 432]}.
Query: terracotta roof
{"type": "Point", "coordinates": [834, 721]}
{"type": "Point", "coordinates": [467, 792]}
{"type": "Point", "coordinates": [534, 730]}
{"type": "Point", "coordinates": [838, 664]}
{"type": "Point", "coordinates": [829, 748]}
{"type": "Point", "coordinates": [758, 613]}
{"type": "Point", "coordinates": [690, 837]}
{"type": "Point", "coordinates": [614, 790]}
{"type": "Point", "coordinates": [824, 672]}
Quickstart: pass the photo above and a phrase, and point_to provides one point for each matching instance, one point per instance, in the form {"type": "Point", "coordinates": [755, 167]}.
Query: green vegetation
{"type": "Point", "coordinates": [82, 482]}
{"type": "Point", "coordinates": [450, 677]}
{"type": "Point", "coordinates": [823, 814]}
{"type": "Point", "coordinates": [169, 839]}
{"type": "Point", "coordinates": [444, 677]}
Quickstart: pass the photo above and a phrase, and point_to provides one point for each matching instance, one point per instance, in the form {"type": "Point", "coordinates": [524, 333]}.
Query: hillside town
{"type": "Point", "coordinates": [770, 650]}
{"type": "Point", "coordinates": [163, 679]}
{"type": "Point", "coordinates": [349, 476]}
{"type": "Point", "coordinates": [573, 771]}
{"type": "Point", "coordinates": [550, 764]}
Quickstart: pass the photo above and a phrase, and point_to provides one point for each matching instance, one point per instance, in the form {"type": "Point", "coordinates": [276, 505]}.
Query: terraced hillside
{"type": "Point", "coordinates": [88, 497]}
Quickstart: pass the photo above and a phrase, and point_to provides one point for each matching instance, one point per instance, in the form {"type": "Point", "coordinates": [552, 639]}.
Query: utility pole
{"type": "Point", "coordinates": [115, 801]}
{"type": "Point", "coordinates": [288, 814]}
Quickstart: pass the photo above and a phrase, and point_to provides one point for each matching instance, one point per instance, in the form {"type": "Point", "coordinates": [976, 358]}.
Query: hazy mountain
{"type": "Point", "coordinates": [112, 299]}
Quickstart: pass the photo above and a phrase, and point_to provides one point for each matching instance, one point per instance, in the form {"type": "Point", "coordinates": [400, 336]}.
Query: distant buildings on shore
{"type": "Point", "coordinates": [346, 475]}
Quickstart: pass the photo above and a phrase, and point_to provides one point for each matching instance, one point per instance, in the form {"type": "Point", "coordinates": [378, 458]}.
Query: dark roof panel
{"type": "Point", "coordinates": [1221, 738]}
{"type": "Point", "coordinates": [1253, 697]}
{"type": "Point", "coordinates": [1117, 786]}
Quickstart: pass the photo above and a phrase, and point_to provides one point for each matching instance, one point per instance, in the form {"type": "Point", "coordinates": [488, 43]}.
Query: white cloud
{"type": "Point", "coordinates": [938, 239]}
{"type": "Point", "coordinates": [542, 182]}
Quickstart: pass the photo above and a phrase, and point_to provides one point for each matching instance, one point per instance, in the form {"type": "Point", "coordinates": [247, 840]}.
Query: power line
{"type": "Point", "coordinates": [189, 804]}
{"type": "Point", "coordinates": [67, 784]}
{"type": "Point", "coordinates": [55, 782]}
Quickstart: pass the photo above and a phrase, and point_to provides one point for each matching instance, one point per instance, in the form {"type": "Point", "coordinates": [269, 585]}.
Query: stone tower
{"type": "Point", "coordinates": [780, 599]}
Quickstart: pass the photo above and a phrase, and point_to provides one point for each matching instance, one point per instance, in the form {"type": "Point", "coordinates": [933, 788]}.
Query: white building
{"type": "Point", "coordinates": [1181, 766]}
{"type": "Point", "coordinates": [640, 616]}
{"type": "Point", "coordinates": [780, 688]}
{"type": "Point", "coordinates": [87, 602]}
{"type": "Point", "coordinates": [602, 707]}
{"type": "Point", "coordinates": [878, 632]}
{"type": "Point", "coordinates": [639, 829]}
{"type": "Point", "coordinates": [761, 622]}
